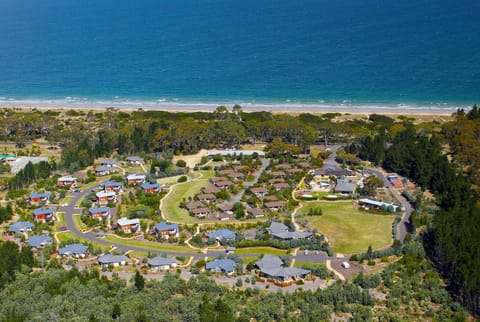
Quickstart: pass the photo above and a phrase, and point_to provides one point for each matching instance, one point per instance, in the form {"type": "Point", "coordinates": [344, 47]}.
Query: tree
{"type": "Point", "coordinates": [139, 281]}
{"type": "Point", "coordinates": [371, 184]}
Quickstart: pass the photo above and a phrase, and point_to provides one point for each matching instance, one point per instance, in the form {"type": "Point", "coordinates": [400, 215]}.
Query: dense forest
{"type": "Point", "coordinates": [412, 287]}
{"type": "Point", "coordinates": [443, 158]}
{"type": "Point", "coordinates": [453, 236]}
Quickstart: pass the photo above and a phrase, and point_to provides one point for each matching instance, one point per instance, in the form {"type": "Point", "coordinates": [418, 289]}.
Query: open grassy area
{"type": "Point", "coordinates": [149, 245]}
{"type": "Point", "coordinates": [60, 221]}
{"type": "Point", "coordinates": [349, 230]}
{"type": "Point", "coordinates": [170, 204]}
{"type": "Point", "coordinates": [261, 251]}
{"type": "Point", "coordinates": [66, 236]}
{"type": "Point", "coordinates": [78, 223]}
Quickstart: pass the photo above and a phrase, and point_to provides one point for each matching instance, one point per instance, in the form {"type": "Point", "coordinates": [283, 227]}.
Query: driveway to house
{"type": "Point", "coordinates": [402, 225]}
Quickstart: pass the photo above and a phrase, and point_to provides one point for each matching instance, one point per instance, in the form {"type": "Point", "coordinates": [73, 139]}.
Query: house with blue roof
{"type": "Point", "coordinates": [103, 170]}
{"type": "Point", "coordinates": [272, 267]}
{"type": "Point", "coordinates": [225, 266]}
{"type": "Point", "coordinates": [222, 235]}
{"type": "Point", "coordinates": [39, 241]}
{"type": "Point", "coordinates": [162, 263]}
{"type": "Point", "coordinates": [44, 215]}
{"type": "Point", "coordinates": [99, 212]}
{"type": "Point", "coordinates": [39, 198]}
{"type": "Point", "coordinates": [148, 187]}
{"type": "Point", "coordinates": [114, 260]}
{"type": "Point", "coordinates": [112, 185]}
{"type": "Point", "coordinates": [21, 227]}
{"type": "Point", "coordinates": [73, 250]}
{"type": "Point", "coordinates": [135, 160]}
{"type": "Point", "coordinates": [167, 230]}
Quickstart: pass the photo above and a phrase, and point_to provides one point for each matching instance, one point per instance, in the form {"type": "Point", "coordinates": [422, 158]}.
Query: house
{"type": "Point", "coordinates": [281, 185]}
{"type": "Point", "coordinates": [206, 197]}
{"type": "Point", "coordinates": [104, 171]}
{"type": "Point", "coordinates": [238, 168]}
{"type": "Point", "coordinates": [222, 235]}
{"type": "Point", "coordinates": [150, 187]}
{"type": "Point", "coordinates": [237, 175]}
{"type": "Point", "coordinates": [110, 163]}
{"type": "Point", "coordinates": [44, 214]}
{"type": "Point", "coordinates": [223, 216]}
{"type": "Point", "coordinates": [39, 241]}
{"type": "Point", "coordinates": [39, 198]}
{"type": "Point", "coordinates": [67, 181]}
{"type": "Point", "coordinates": [272, 267]}
{"type": "Point", "coordinates": [214, 180]}
{"type": "Point", "coordinates": [275, 205]}
{"type": "Point", "coordinates": [73, 250]}
{"type": "Point", "coordinates": [294, 171]}
{"type": "Point", "coordinates": [129, 226]}
{"type": "Point", "coordinates": [330, 170]}
{"type": "Point", "coordinates": [162, 263]}
{"type": "Point", "coordinates": [226, 266]}
{"type": "Point", "coordinates": [224, 184]}
{"type": "Point", "coordinates": [379, 205]}
{"type": "Point", "coordinates": [280, 231]}
{"type": "Point", "coordinates": [225, 172]}
{"type": "Point", "coordinates": [230, 250]}
{"type": "Point", "coordinates": [278, 174]}
{"type": "Point", "coordinates": [135, 160]}
{"type": "Point", "coordinates": [255, 212]}
{"type": "Point", "coordinates": [304, 165]}
{"type": "Point", "coordinates": [167, 230]}
{"type": "Point", "coordinates": [346, 187]}
{"type": "Point", "coordinates": [112, 185]}
{"type": "Point", "coordinates": [135, 179]}
{"type": "Point", "coordinates": [104, 197]}
{"type": "Point", "coordinates": [213, 153]}
{"type": "Point", "coordinates": [226, 208]}
{"type": "Point", "coordinates": [259, 191]}
{"type": "Point", "coordinates": [283, 166]}
{"type": "Point", "coordinates": [194, 205]}
{"type": "Point", "coordinates": [270, 198]}
{"type": "Point", "coordinates": [202, 212]}
{"type": "Point", "coordinates": [21, 227]}
{"type": "Point", "coordinates": [114, 260]}
{"type": "Point", "coordinates": [211, 189]}
{"type": "Point", "coordinates": [276, 180]}
{"type": "Point", "coordinates": [99, 212]}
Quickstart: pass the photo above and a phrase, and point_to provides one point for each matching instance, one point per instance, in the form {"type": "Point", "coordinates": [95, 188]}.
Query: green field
{"type": "Point", "coordinates": [170, 204]}
{"type": "Point", "coordinates": [66, 236]}
{"type": "Point", "coordinates": [78, 223]}
{"type": "Point", "coordinates": [261, 251]}
{"type": "Point", "coordinates": [349, 230]}
{"type": "Point", "coordinates": [149, 245]}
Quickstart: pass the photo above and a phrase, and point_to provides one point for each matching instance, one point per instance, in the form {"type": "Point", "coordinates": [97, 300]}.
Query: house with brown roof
{"type": "Point", "coordinates": [214, 180]}
{"type": "Point", "coordinates": [224, 184]}
{"type": "Point", "coordinates": [194, 205]}
{"type": "Point", "coordinates": [255, 212]}
{"type": "Point", "coordinates": [211, 189]}
{"type": "Point", "coordinates": [206, 197]}
{"type": "Point", "coordinates": [278, 174]}
{"type": "Point", "coordinates": [237, 168]}
{"type": "Point", "coordinates": [275, 205]}
{"type": "Point", "coordinates": [276, 180]}
{"type": "Point", "coordinates": [281, 185]}
{"type": "Point", "coordinates": [202, 212]}
{"type": "Point", "coordinates": [270, 198]}
{"type": "Point", "coordinates": [294, 170]}
{"type": "Point", "coordinates": [225, 172]}
{"type": "Point", "coordinates": [259, 191]}
{"type": "Point", "coordinates": [225, 208]}
{"type": "Point", "coordinates": [283, 166]}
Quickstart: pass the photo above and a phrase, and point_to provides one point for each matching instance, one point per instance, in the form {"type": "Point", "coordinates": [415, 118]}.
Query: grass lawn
{"type": "Point", "coordinates": [261, 251]}
{"type": "Point", "coordinates": [60, 222]}
{"type": "Point", "coordinates": [170, 204]}
{"type": "Point", "coordinates": [308, 265]}
{"type": "Point", "coordinates": [246, 260]}
{"type": "Point", "coordinates": [349, 230]}
{"type": "Point", "coordinates": [78, 223]}
{"type": "Point", "coordinates": [67, 200]}
{"type": "Point", "coordinates": [149, 245]}
{"type": "Point", "coordinates": [66, 236]}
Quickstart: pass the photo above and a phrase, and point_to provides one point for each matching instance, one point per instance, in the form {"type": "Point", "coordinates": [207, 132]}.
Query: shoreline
{"type": "Point", "coordinates": [289, 108]}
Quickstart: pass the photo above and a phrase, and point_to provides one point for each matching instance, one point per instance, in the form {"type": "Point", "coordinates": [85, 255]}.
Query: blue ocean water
{"type": "Point", "coordinates": [416, 53]}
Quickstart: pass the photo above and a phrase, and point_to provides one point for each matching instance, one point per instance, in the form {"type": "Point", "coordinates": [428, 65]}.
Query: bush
{"type": "Point", "coordinates": [181, 163]}
{"type": "Point", "coordinates": [182, 179]}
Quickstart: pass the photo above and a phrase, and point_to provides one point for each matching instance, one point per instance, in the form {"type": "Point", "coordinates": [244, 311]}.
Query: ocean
{"type": "Point", "coordinates": [264, 54]}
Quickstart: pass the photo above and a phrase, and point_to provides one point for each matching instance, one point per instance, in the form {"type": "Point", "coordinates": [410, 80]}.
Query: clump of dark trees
{"type": "Point", "coordinates": [453, 238]}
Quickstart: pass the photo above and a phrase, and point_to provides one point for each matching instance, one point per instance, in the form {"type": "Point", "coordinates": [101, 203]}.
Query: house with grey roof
{"type": "Point", "coordinates": [162, 263]}
{"type": "Point", "coordinates": [135, 160]}
{"type": "Point", "coordinates": [148, 187]}
{"type": "Point", "coordinates": [44, 214]}
{"type": "Point", "coordinates": [109, 163]}
{"type": "Point", "coordinates": [39, 241]}
{"type": "Point", "coordinates": [39, 198]}
{"type": "Point", "coordinates": [344, 186]}
{"type": "Point", "coordinates": [202, 212]}
{"type": "Point", "coordinates": [114, 260]}
{"type": "Point", "coordinates": [225, 266]}
{"type": "Point", "coordinates": [21, 227]}
{"type": "Point", "coordinates": [272, 267]}
{"type": "Point", "coordinates": [222, 235]}
{"type": "Point", "coordinates": [103, 170]}
{"type": "Point", "coordinates": [112, 185]}
{"type": "Point", "coordinates": [280, 231]}
{"type": "Point", "coordinates": [73, 250]}
{"type": "Point", "coordinates": [255, 212]}
{"type": "Point", "coordinates": [99, 212]}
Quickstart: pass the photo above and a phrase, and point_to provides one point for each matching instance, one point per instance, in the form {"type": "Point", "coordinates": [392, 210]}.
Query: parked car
{"type": "Point", "coordinates": [63, 228]}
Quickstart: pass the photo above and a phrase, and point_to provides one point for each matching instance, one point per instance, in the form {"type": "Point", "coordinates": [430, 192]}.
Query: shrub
{"type": "Point", "coordinates": [181, 163]}
{"type": "Point", "coordinates": [182, 179]}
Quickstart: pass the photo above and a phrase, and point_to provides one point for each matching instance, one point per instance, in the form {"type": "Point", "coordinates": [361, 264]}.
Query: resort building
{"type": "Point", "coordinates": [112, 186]}
{"type": "Point", "coordinates": [104, 171]}
{"type": "Point", "coordinates": [73, 250]}
{"type": "Point", "coordinates": [104, 197]}
{"type": "Point", "coordinates": [67, 181]}
{"type": "Point", "coordinates": [136, 179]}
{"type": "Point", "coordinates": [113, 260]}
{"type": "Point", "coordinates": [147, 187]}
{"type": "Point", "coordinates": [99, 212]}
{"type": "Point", "coordinates": [167, 230]}
{"type": "Point", "coordinates": [21, 227]}
{"type": "Point", "coordinates": [39, 241]}
{"type": "Point", "coordinates": [39, 198]}
{"type": "Point", "coordinates": [272, 268]}
{"type": "Point", "coordinates": [135, 160]}
{"type": "Point", "coordinates": [44, 215]}
{"type": "Point", "coordinates": [129, 226]}
{"type": "Point", "coordinates": [162, 263]}
{"type": "Point", "coordinates": [225, 266]}
{"type": "Point", "coordinates": [222, 235]}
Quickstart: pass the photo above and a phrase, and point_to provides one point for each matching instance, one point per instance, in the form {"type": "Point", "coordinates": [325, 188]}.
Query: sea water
{"type": "Point", "coordinates": [260, 53]}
